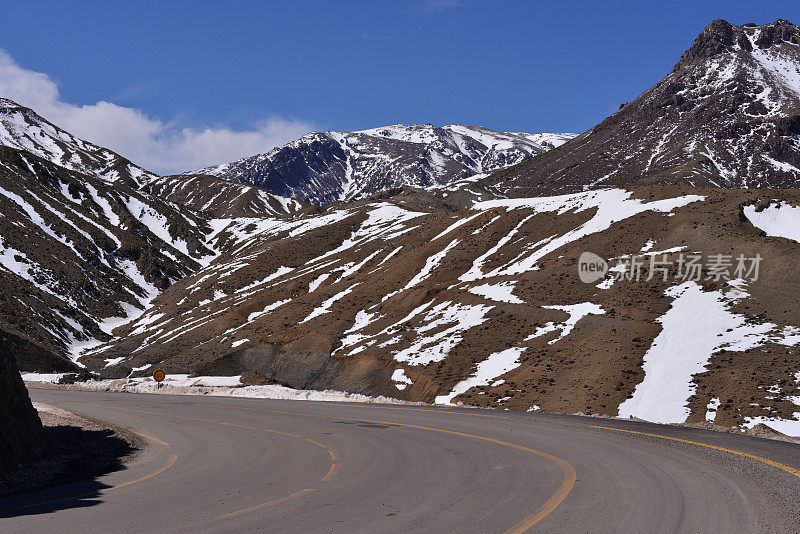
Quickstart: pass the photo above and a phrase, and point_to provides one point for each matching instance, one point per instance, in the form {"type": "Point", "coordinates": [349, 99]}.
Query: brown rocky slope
{"type": "Point", "coordinates": [406, 297]}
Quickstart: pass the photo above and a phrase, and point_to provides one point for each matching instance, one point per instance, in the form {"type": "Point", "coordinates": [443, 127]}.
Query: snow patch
{"type": "Point", "coordinates": [697, 325]}
{"type": "Point", "coordinates": [275, 305]}
{"type": "Point", "coordinates": [495, 365]}
{"type": "Point", "coordinates": [777, 220]}
{"type": "Point", "coordinates": [401, 381]}
{"type": "Point", "coordinates": [711, 409]}
{"type": "Point", "coordinates": [576, 312]}
{"type": "Point", "coordinates": [501, 292]}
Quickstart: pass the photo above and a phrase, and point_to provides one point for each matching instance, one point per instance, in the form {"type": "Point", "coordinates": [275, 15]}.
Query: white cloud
{"type": "Point", "coordinates": [163, 147]}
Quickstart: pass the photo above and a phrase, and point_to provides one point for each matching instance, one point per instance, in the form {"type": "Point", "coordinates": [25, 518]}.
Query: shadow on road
{"type": "Point", "coordinates": [65, 477]}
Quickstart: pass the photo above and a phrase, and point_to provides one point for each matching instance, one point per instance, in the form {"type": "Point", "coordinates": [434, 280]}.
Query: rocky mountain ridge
{"type": "Point", "coordinates": [79, 254]}
{"type": "Point", "coordinates": [213, 198]}
{"type": "Point", "coordinates": [727, 115]}
{"type": "Point", "coordinates": [23, 129]}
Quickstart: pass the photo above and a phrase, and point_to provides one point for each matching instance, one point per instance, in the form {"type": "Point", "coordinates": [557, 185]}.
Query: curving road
{"type": "Point", "coordinates": [241, 465]}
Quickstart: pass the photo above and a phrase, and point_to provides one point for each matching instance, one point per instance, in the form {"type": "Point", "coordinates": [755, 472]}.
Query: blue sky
{"type": "Point", "coordinates": [245, 66]}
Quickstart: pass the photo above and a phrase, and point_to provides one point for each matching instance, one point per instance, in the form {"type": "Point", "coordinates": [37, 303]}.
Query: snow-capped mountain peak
{"type": "Point", "coordinates": [324, 167]}
{"type": "Point", "coordinates": [23, 129]}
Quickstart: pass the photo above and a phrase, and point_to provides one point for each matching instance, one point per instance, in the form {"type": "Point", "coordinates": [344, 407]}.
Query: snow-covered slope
{"type": "Point", "coordinates": [328, 166]}
{"type": "Point", "coordinates": [22, 128]}
{"type": "Point", "coordinates": [727, 115]}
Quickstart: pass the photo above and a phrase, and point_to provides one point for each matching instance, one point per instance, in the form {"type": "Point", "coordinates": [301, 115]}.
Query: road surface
{"type": "Point", "coordinates": [218, 464]}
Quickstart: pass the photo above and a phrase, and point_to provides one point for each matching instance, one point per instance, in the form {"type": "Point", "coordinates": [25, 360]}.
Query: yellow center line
{"type": "Point", "coordinates": [385, 407]}
{"type": "Point", "coordinates": [170, 463]}
{"type": "Point", "coordinates": [332, 473]}
{"type": "Point", "coordinates": [164, 443]}
{"type": "Point", "coordinates": [282, 433]}
{"type": "Point", "coordinates": [193, 419]}
{"type": "Point", "coordinates": [264, 505]}
{"type": "Point", "coordinates": [330, 451]}
{"type": "Point", "coordinates": [773, 463]}
{"type": "Point", "coordinates": [238, 426]}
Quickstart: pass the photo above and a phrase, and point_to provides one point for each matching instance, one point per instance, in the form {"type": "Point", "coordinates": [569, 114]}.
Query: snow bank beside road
{"type": "Point", "coordinates": [214, 386]}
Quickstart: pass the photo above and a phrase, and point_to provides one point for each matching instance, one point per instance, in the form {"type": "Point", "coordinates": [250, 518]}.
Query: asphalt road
{"type": "Point", "coordinates": [240, 465]}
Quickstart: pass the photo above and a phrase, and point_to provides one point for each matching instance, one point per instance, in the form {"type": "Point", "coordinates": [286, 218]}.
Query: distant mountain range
{"type": "Point", "coordinates": [443, 266]}
{"type": "Point", "coordinates": [325, 167]}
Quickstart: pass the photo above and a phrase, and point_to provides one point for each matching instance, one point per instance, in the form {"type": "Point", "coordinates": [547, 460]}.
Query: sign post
{"type": "Point", "coordinates": [159, 375]}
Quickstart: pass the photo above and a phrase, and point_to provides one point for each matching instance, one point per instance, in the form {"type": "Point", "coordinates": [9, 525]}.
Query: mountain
{"type": "Point", "coordinates": [79, 253]}
{"type": "Point", "coordinates": [88, 239]}
{"type": "Point", "coordinates": [23, 129]}
{"type": "Point", "coordinates": [321, 168]}
{"type": "Point", "coordinates": [727, 115]}
{"type": "Point", "coordinates": [407, 298]}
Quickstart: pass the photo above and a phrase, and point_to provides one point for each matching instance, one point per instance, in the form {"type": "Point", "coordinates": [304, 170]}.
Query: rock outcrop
{"type": "Point", "coordinates": [21, 432]}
